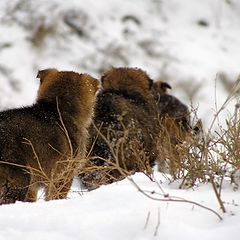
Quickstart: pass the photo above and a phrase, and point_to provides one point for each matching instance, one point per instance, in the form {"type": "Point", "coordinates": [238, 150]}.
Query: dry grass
{"type": "Point", "coordinates": [127, 156]}
{"type": "Point", "coordinates": [58, 184]}
{"type": "Point", "coordinates": [208, 159]}
{"type": "Point", "coordinates": [182, 160]}
{"type": "Point", "coordinates": [228, 150]}
{"type": "Point", "coordinates": [192, 158]}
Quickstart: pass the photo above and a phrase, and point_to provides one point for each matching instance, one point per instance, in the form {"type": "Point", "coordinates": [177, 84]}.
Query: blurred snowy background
{"type": "Point", "coordinates": [194, 45]}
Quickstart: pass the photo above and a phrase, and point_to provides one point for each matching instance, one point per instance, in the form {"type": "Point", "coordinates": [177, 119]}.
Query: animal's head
{"type": "Point", "coordinates": [74, 92]}
{"type": "Point", "coordinates": [131, 80]}
{"type": "Point", "coordinates": [54, 83]}
{"type": "Point", "coordinates": [47, 78]}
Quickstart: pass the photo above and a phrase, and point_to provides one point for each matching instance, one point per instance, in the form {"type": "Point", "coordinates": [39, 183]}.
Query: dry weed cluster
{"type": "Point", "coordinates": [192, 157]}
{"type": "Point", "coordinates": [195, 157]}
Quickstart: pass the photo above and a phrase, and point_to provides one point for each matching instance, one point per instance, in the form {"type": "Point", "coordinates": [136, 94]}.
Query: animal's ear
{"type": "Point", "coordinates": [43, 73]}
{"type": "Point", "coordinates": [165, 85]}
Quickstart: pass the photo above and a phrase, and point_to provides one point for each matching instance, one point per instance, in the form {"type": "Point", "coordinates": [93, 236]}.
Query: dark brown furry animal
{"type": "Point", "coordinates": [124, 130]}
{"type": "Point", "coordinates": [174, 123]}
{"type": "Point", "coordinates": [173, 114]}
{"type": "Point", "coordinates": [38, 142]}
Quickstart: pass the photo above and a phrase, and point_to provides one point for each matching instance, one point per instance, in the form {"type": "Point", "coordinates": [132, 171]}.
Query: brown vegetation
{"type": "Point", "coordinates": [174, 125]}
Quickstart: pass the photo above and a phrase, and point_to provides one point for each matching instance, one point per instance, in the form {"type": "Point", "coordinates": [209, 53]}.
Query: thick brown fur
{"type": "Point", "coordinates": [38, 140]}
{"type": "Point", "coordinates": [123, 134]}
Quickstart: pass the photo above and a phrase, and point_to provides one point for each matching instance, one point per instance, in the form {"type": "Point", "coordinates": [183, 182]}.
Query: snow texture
{"type": "Point", "coordinates": [118, 211]}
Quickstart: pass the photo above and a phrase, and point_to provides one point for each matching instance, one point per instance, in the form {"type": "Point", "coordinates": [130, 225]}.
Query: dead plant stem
{"type": "Point", "coordinates": [169, 199]}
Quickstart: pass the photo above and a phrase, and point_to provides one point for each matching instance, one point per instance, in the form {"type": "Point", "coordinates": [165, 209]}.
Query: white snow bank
{"type": "Point", "coordinates": [119, 211]}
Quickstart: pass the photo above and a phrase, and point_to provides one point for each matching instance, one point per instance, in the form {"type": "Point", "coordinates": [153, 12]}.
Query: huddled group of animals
{"type": "Point", "coordinates": [101, 131]}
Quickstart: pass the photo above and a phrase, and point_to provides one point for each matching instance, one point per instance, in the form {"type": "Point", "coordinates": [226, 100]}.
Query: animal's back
{"type": "Point", "coordinates": [27, 130]}
{"type": "Point", "coordinates": [123, 122]}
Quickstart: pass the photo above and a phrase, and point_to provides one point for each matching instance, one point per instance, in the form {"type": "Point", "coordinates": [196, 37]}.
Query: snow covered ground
{"type": "Point", "coordinates": [118, 211]}
{"type": "Point", "coordinates": [187, 43]}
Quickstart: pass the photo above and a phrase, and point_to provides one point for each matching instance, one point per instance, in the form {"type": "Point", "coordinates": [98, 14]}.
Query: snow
{"type": "Point", "coordinates": [120, 211]}
{"type": "Point", "coordinates": [188, 43]}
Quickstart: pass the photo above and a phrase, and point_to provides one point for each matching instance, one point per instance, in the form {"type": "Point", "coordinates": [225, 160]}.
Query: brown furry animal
{"type": "Point", "coordinates": [174, 123]}
{"type": "Point", "coordinates": [124, 130]}
{"type": "Point", "coordinates": [173, 114]}
{"type": "Point", "coordinates": [38, 142]}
